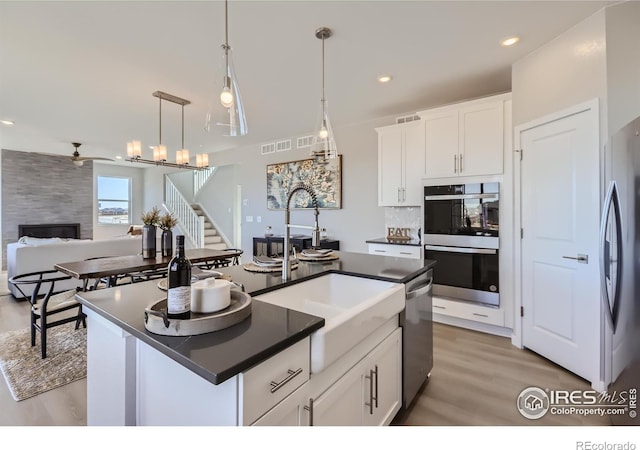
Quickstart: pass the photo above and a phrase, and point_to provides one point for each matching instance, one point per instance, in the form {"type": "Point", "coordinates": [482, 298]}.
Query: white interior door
{"type": "Point", "coordinates": [560, 220]}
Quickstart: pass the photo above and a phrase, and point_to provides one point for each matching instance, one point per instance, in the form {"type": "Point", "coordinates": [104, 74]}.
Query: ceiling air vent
{"type": "Point", "coordinates": [282, 146]}
{"type": "Point", "coordinates": [304, 141]}
{"type": "Point", "coordinates": [268, 148]}
{"type": "Point", "coordinates": [409, 118]}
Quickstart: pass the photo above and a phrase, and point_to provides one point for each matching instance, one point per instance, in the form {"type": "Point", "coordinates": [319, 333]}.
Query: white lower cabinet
{"type": "Point", "coordinates": [398, 250]}
{"type": "Point", "coordinates": [469, 311]}
{"type": "Point", "coordinates": [270, 382]}
{"type": "Point", "coordinates": [370, 393]}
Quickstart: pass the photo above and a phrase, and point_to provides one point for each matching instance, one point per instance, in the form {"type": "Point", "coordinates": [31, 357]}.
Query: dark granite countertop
{"type": "Point", "coordinates": [384, 240]}
{"type": "Point", "coordinates": [270, 329]}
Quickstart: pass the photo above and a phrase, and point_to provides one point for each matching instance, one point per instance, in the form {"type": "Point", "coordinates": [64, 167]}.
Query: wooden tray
{"type": "Point", "coordinates": [156, 321]}
{"type": "Point", "coordinates": [251, 267]}
{"type": "Point", "coordinates": [329, 257]}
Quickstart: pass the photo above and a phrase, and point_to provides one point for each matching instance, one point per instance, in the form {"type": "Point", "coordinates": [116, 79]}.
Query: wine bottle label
{"type": "Point", "coordinates": [179, 299]}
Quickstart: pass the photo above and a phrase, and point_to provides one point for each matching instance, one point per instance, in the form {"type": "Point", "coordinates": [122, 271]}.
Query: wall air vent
{"type": "Point", "coordinates": [409, 118]}
{"type": "Point", "coordinates": [304, 141]}
{"type": "Point", "coordinates": [282, 146]}
{"type": "Point", "coordinates": [268, 148]}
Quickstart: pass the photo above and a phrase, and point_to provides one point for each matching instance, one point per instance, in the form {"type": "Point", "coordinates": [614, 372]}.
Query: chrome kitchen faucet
{"type": "Point", "coordinates": [315, 237]}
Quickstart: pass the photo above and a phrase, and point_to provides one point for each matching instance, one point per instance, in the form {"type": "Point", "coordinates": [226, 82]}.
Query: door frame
{"type": "Point", "coordinates": [591, 106]}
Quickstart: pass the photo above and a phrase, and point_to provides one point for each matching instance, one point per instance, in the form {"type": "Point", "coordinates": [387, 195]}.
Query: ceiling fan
{"type": "Point", "coordinates": [78, 160]}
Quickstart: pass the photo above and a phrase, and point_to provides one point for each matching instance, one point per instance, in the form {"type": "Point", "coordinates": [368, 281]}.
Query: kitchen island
{"type": "Point", "coordinates": [121, 350]}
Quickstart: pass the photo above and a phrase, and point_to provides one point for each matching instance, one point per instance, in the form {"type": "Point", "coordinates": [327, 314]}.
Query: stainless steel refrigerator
{"type": "Point", "coordinates": [620, 269]}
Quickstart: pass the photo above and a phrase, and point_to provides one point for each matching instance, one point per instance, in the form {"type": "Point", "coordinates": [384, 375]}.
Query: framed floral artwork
{"type": "Point", "coordinates": [324, 176]}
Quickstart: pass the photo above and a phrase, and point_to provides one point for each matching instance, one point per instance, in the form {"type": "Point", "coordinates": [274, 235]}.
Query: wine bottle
{"type": "Point", "coordinates": [179, 284]}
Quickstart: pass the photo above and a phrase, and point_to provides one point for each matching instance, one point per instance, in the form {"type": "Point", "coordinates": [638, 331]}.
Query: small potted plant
{"type": "Point", "coordinates": [166, 224]}
{"type": "Point", "coordinates": [150, 219]}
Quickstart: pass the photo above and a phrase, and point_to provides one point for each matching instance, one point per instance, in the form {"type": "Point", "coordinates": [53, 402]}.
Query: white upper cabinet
{"type": "Point", "coordinates": [465, 139]}
{"type": "Point", "coordinates": [401, 164]}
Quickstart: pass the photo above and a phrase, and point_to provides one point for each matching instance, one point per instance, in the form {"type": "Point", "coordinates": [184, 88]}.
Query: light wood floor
{"type": "Point", "coordinates": [476, 380]}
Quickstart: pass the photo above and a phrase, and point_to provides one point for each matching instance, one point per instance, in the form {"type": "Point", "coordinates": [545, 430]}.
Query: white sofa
{"type": "Point", "coordinates": [33, 255]}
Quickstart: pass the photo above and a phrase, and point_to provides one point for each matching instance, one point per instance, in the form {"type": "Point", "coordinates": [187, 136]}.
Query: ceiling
{"type": "Point", "coordinates": [84, 71]}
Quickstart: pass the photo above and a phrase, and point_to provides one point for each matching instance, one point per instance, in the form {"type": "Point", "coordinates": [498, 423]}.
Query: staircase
{"type": "Point", "coordinates": [193, 219]}
{"type": "Point", "coordinates": [212, 239]}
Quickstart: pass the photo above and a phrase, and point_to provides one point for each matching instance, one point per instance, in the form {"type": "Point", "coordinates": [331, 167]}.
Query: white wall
{"type": "Point", "coordinates": [106, 231]}
{"type": "Point", "coordinates": [569, 70]}
{"type": "Point", "coordinates": [360, 217]}
{"type": "Point", "coordinates": [623, 63]}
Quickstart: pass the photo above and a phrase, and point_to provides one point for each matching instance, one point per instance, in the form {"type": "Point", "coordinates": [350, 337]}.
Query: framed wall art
{"type": "Point", "coordinates": [324, 176]}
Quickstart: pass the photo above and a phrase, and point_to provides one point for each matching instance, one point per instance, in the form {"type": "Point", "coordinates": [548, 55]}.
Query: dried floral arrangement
{"type": "Point", "coordinates": [167, 222]}
{"type": "Point", "coordinates": [151, 217]}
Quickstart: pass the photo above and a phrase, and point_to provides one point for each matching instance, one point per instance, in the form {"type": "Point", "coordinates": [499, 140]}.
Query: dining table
{"type": "Point", "coordinates": [110, 269]}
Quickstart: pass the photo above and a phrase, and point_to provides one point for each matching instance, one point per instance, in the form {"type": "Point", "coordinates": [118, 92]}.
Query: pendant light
{"type": "Point", "coordinates": [226, 111]}
{"type": "Point", "coordinates": [323, 143]}
{"type": "Point", "coordinates": [134, 148]}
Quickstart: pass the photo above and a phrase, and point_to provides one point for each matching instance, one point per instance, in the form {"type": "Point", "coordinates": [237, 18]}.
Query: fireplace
{"type": "Point", "coordinates": [61, 230]}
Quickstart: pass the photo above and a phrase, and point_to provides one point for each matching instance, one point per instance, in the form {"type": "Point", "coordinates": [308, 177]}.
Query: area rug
{"type": "Point", "coordinates": [28, 375]}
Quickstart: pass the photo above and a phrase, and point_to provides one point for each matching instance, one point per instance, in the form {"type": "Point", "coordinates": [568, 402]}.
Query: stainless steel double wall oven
{"type": "Point", "coordinates": [461, 232]}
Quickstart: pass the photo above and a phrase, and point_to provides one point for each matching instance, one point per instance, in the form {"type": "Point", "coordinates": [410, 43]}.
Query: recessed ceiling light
{"type": "Point", "coordinates": [118, 157]}
{"type": "Point", "coordinates": [384, 78]}
{"type": "Point", "coordinates": [507, 42]}
{"type": "Point", "coordinates": [7, 122]}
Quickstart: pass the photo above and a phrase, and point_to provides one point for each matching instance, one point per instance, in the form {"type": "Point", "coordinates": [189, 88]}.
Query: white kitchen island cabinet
{"type": "Point", "coordinates": [261, 370]}
{"type": "Point", "coordinates": [465, 139]}
{"type": "Point", "coordinates": [149, 388]}
{"type": "Point", "coordinates": [369, 393]}
{"type": "Point", "coordinates": [401, 164]}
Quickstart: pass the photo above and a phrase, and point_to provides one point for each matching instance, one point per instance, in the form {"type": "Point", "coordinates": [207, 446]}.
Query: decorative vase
{"type": "Point", "coordinates": [166, 243]}
{"type": "Point", "coordinates": [148, 241]}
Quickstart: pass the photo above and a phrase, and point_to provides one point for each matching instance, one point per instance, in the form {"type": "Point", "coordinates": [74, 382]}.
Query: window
{"type": "Point", "coordinates": [114, 200]}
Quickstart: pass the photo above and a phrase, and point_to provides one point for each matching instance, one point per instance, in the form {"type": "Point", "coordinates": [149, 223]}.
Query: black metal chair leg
{"type": "Point", "coordinates": [43, 339]}
{"type": "Point", "coordinates": [33, 329]}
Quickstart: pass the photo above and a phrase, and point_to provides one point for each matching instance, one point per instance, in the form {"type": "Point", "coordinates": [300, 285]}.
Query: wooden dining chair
{"type": "Point", "coordinates": [49, 308]}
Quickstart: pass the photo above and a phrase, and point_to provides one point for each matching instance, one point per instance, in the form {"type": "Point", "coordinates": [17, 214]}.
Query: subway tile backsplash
{"type": "Point", "coordinates": [404, 217]}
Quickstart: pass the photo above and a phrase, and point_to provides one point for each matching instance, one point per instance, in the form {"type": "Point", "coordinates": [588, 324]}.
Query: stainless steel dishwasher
{"type": "Point", "coordinates": [417, 336]}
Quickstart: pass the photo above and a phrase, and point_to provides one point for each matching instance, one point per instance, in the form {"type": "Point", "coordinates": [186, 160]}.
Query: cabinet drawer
{"type": "Point", "coordinates": [265, 385]}
{"type": "Point", "coordinates": [401, 251]}
{"type": "Point", "coordinates": [492, 316]}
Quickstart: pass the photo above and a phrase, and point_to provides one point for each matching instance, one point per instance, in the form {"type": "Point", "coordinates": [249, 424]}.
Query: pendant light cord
{"type": "Point", "coordinates": [323, 98]}
{"type": "Point", "coordinates": [182, 127]}
{"type": "Point", "coordinates": [160, 121]}
{"type": "Point", "coordinates": [226, 37]}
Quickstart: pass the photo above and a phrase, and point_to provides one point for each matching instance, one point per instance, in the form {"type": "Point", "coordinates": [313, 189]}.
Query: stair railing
{"type": "Point", "coordinates": [191, 223]}
{"type": "Point", "coordinates": [200, 178]}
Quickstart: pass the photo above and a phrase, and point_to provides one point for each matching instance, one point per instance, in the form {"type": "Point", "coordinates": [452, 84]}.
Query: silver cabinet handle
{"type": "Point", "coordinates": [480, 315]}
{"type": "Point", "coordinates": [460, 163]}
{"type": "Point", "coordinates": [398, 195]}
{"type": "Point", "coordinates": [310, 409]}
{"type": "Point", "coordinates": [375, 372]}
{"type": "Point", "coordinates": [370, 402]}
{"type": "Point", "coordinates": [455, 163]}
{"type": "Point", "coordinates": [439, 307]}
{"type": "Point", "coordinates": [290, 376]}
{"type": "Point", "coordinates": [584, 259]}
{"type": "Point", "coordinates": [380, 251]}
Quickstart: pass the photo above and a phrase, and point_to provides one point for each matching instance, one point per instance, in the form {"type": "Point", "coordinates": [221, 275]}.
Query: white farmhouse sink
{"type": "Point", "coordinates": [352, 308]}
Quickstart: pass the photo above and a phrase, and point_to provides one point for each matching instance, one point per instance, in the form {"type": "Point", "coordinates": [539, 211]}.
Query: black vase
{"type": "Point", "coordinates": [166, 243]}
{"type": "Point", "coordinates": [149, 241]}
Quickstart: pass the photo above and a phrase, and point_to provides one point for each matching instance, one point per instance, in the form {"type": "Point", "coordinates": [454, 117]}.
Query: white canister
{"type": "Point", "coordinates": [210, 295]}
